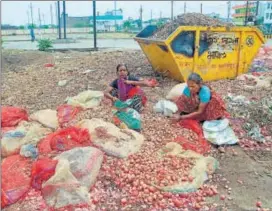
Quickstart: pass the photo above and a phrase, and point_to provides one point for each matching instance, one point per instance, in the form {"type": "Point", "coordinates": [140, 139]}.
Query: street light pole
{"type": "Point", "coordinates": [94, 24]}
{"type": "Point", "coordinates": [246, 13]}
{"type": "Point", "coordinates": [64, 20]}
{"type": "Point", "coordinates": [59, 20]}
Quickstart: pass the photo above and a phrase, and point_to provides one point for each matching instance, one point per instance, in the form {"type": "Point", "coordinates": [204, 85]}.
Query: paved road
{"type": "Point", "coordinates": [101, 43]}
{"type": "Point", "coordinates": [84, 43]}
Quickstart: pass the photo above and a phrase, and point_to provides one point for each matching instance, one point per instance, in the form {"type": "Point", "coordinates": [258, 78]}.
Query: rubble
{"type": "Point", "coordinates": [188, 19]}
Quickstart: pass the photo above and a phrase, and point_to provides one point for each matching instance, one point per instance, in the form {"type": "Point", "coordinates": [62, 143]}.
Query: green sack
{"type": "Point", "coordinates": [130, 117]}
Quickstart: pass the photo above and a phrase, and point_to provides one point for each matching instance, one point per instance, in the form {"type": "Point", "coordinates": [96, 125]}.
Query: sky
{"type": "Point", "coordinates": [15, 12]}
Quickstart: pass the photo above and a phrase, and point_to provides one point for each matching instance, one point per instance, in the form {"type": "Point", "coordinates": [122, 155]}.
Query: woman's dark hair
{"type": "Point", "coordinates": [120, 65]}
{"type": "Point", "coordinates": [195, 78]}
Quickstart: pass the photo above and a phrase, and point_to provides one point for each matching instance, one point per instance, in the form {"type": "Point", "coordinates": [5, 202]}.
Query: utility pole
{"type": "Point", "coordinates": [246, 17]}
{"type": "Point", "coordinates": [184, 7]}
{"type": "Point", "coordinates": [172, 10]}
{"type": "Point", "coordinates": [56, 13]}
{"type": "Point", "coordinates": [40, 22]}
{"type": "Point", "coordinates": [115, 25]}
{"type": "Point", "coordinates": [141, 16]}
{"type": "Point", "coordinates": [257, 12]}
{"type": "Point", "coordinates": [160, 14]}
{"type": "Point", "coordinates": [64, 20]}
{"type": "Point", "coordinates": [59, 27]}
{"type": "Point", "coordinates": [28, 19]}
{"type": "Point", "coordinates": [31, 11]}
{"type": "Point", "coordinates": [43, 18]}
{"type": "Point", "coordinates": [150, 16]}
{"type": "Point", "coordinates": [229, 10]}
{"type": "Point", "coordinates": [51, 13]}
{"type": "Point", "coordinates": [94, 25]}
{"type": "Point", "coordinates": [201, 8]}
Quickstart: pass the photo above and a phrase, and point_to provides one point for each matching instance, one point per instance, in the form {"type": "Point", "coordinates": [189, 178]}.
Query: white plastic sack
{"type": "Point", "coordinates": [219, 132]}
{"type": "Point", "coordinates": [176, 91]}
{"type": "Point", "coordinates": [63, 189]}
{"type": "Point", "coordinates": [203, 166]}
{"type": "Point", "coordinates": [76, 172]}
{"type": "Point", "coordinates": [111, 139]}
{"type": "Point", "coordinates": [85, 163]}
{"type": "Point", "coordinates": [46, 117]}
{"type": "Point", "coordinates": [25, 133]}
{"type": "Point", "coordinates": [167, 108]}
{"type": "Point", "coordinates": [86, 99]}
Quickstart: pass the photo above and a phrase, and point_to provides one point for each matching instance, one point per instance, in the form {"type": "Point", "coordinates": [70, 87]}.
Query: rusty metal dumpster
{"type": "Point", "coordinates": [213, 52]}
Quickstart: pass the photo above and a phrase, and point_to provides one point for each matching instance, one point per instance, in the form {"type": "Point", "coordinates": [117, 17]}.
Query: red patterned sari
{"type": "Point", "coordinates": [215, 109]}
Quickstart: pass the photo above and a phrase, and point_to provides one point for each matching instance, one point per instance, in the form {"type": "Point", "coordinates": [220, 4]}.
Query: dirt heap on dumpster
{"type": "Point", "coordinates": [188, 19]}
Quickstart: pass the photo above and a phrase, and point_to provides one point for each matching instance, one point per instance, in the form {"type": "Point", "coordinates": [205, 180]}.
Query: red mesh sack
{"type": "Point", "coordinates": [42, 170]}
{"type": "Point", "coordinates": [138, 91]}
{"type": "Point", "coordinates": [66, 113]}
{"type": "Point", "coordinates": [15, 181]}
{"type": "Point", "coordinates": [65, 139]}
{"type": "Point", "coordinates": [12, 116]}
{"type": "Point", "coordinates": [200, 145]}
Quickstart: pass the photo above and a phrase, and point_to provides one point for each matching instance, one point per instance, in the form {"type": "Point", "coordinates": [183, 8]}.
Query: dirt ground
{"type": "Point", "coordinates": [244, 177]}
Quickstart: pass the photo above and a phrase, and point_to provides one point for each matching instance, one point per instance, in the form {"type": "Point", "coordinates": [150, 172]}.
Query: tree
{"type": "Point", "coordinates": [21, 27]}
{"type": "Point", "coordinates": [127, 25]}
{"type": "Point", "coordinates": [160, 24]}
{"type": "Point", "coordinates": [31, 26]}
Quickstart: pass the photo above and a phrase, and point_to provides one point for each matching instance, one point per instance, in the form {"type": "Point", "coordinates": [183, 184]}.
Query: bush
{"type": "Point", "coordinates": [44, 44]}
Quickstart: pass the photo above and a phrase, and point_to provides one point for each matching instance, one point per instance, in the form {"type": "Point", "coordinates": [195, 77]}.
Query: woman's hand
{"type": "Point", "coordinates": [176, 117]}
{"type": "Point", "coordinates": [147, 83]}
{"type": "Point", "coordinates": [129, 82]}
{"type": "Point", "coordinates": [114, 99]}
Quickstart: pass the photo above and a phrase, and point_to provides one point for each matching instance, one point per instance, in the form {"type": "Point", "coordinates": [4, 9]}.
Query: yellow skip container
{"type": "Point", "coordinates": [213, 52]}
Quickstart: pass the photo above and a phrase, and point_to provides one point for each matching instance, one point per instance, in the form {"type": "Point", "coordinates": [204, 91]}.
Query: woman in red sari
{"type": "Point", "coordinates": [199, 102]}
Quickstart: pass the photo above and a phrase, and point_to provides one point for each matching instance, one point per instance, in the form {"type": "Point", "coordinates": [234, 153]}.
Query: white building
{"type": "Point", "coordinates": [268, 13]}
{"type": "Point", "coordinates": [268, 16]}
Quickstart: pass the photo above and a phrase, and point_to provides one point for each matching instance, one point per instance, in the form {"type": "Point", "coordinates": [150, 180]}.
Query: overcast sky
{"type": "Point", "coordinates": [15, 12]}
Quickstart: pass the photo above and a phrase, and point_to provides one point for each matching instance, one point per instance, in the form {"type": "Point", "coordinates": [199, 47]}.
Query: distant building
{"type": "Point", "coordinates": [268, 17]}
{"type": "Point", "coordinates": [157, 21]}
{"type": "Point", "coordinates": [213, 15]}
{"type": "Point", "coordinates": [217, 16]}
{"type": "Point", "coordinates": [106, 20]}
{"type": "Point", "coordinates": [240, 12]}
